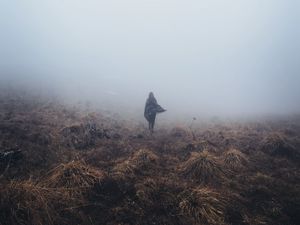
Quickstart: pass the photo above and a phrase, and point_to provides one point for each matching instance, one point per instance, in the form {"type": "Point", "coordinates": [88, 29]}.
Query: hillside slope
{"type": "Point", "coordinates": [65, 165]}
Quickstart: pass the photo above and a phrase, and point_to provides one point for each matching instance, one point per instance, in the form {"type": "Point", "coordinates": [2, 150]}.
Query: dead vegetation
{"type": "Point", "coordinates": [276, 144]}
{"type": "Point", "coordinates": [25, 202]}
{"type": "Point", "coordinates": [203, 168]}
{"type": "Point", "coordinates": [76, 178]}
{"type": "Point", "coordinates": [88, 168]}
{"type": "Point", "coordinates": [235, 160]}
{"type": "Point", "coordinates": [83, 135]}
{"type": "Point", "coordinates": [142, 161]}
{"type": "Point", "coordinates": [203, 205]}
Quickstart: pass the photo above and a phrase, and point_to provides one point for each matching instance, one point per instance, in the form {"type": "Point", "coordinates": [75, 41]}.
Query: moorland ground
{"type": "Point", "coordinates": [66, 165]}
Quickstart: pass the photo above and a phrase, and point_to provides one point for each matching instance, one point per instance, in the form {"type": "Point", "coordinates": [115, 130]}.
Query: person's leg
{"type": "Point", "coordinates": [151, 127]}
{"type": "Point", "coordinates": [153, 122]}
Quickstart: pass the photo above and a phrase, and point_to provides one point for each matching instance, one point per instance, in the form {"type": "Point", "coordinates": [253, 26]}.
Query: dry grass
{"type": "Point", "coordinates": [25, 202]}
{"type": "Point", "coordinates": [79, 136]}
{"type": "Point", "coordinates": [125, 168]}
{"type": "Point", "coordinates": [147, 190]}
{"type": "Point", "coordinates": [74, 177]}
{"type": "Point", "coordinates": [72, 174]}
{"type": "Point", "coordinates": [203, 168]}
{"type": "Point", "coordinates": [261, 179]}
{"type": "Point", "coordinates": [143, 161]}
{"type": "Point", "coordinates": [203, 205]}
{"type": "Point", "coordinates": [144, 158]}
{"type": "Point", "coordinates": [277, 144]}
{"type": "Point", "coordinates": [234, 159]}
{"type": "Point", "coordinates": [133, 178]}
{"type": "Point", "coordinates": [273, 141]}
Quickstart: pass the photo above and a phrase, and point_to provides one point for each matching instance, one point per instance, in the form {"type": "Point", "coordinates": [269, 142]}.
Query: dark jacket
{"type": "Point", "coordinates": [151, 108]}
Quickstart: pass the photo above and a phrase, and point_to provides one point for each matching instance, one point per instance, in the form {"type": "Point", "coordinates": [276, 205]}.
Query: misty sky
{"type": "Point", "coordinates": [203, 57]}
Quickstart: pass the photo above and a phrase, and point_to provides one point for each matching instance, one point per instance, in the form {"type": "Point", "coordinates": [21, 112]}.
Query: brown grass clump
{"type": "Point", "coordinates": [202, 167]}
{"type": "Point", "coordinates": [276, 144]}
{"type": "Point", "coordinates": [144, 158]}
{"type": "Point", "coordinates": [142, 161]}
{"type": "Point", "coordinates": [24, 202]}
{"type": "Point", "coordinates": [75, 177]}
{"type": "Point", "coordinates": [234, 159]}
{"type": "Point", "coordinates": [203, 205]}
{"type": "Point", "coordinates": [273, 141]}
{"type": "Point", "coordinates": [124, 168]}
{"type": "Point", "coordinates": [261, 179]}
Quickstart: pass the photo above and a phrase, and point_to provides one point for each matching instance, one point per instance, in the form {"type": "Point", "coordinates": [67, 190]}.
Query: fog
{"type": "Point", "coordinates": [209, 58]}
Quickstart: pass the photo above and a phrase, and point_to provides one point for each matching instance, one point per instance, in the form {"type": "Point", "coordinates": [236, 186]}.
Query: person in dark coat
{"type": "Point", "coordinates": [151, 108]}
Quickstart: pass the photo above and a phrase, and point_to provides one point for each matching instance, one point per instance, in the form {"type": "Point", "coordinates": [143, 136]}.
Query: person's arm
{"type": "Point", "coordinates": [160, 109]}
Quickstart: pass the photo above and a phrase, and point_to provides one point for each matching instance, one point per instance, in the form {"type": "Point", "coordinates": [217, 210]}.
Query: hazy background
{"type": "Point", "coordinates": [208, 57]}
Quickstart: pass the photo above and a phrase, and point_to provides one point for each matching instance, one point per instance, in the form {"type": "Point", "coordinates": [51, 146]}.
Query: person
{"type": "Point", "coordinates": [151, 108]}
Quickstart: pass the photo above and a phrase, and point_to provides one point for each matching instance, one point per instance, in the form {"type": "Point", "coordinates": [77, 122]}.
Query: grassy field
{"type": "Point", "coordinates": [79, 166]}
